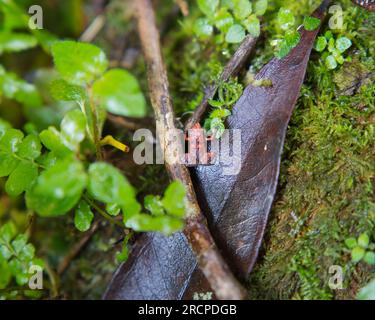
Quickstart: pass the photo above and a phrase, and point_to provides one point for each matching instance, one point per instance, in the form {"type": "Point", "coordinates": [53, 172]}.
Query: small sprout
{"type": "Point", "coordinates": [109, 140]}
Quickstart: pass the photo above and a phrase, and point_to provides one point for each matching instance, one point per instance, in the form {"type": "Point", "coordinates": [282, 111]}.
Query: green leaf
{"type": "Point", "coordinates": [154, 205]}
{"type": "Point", "coordinates": [252, 25]}
{"type": "Point", "coordinates": [21, 178]}
{"type": "Point", "coordinates": [123, 255]}
{"type": "Point", "coordinates": [174, 199]}
{"type": "Point", "coordinates": [343, 44]}
{"type": "Point", "coordinates": [338, 56]}
{"type": "Point", "coordinates": [83, 216]}
{"type": "Point", "coordinates": [203, 28]}
{"type": "Point", "coordinates": [11, 140]}
{"type": "Point", "coordinates": [363, 240]}
{"type": "Point", "coordinates": [164, 224]}
{"type": "Point", "coordinates": [113, 209]}
{"type": "Point", "coordinates": [217, 127]}
{"type": "Point", "coordinates": [119, 92]}
{"type": "Point", "coordinates": [7, 164]}
{"type": "Point", "coordinates": [320, 44]}
{"type": "Point", "coordinates": [15, 42]}
{"type": "Point", "coordinates": [208, 7]}
{"type": "Point", "coordinates": [58, 189]}
{"type": "Point", "coordinates": [62, 90]}
{"type": "Point", "coordinates": [235, 34]}
{"type": "Point", "coordinates": [220, 113]}
{"type": "Point", "coordinates": [107, 184]}
{"type": "Point", "coordinates": [30, 148]}
{"type": "Point", "coordinates": [5, 274]}
{"type": "Point", "coordinates": [223, 21]}
{"type": "Point", "coordinates": [331, 62]}
{"type": "Point", "coordinates": [18, 243]}
{"type": "Point", "coordinates": [261, 7]}
{"type": "Point", "coordinates": [7, 232]}
{"type": "Point", "coordinates": [52, 140]}
{"type": "Point", "coordinates": [285, 19]}
{"type": "Point", "coordinates": [4, 125]}
{"type": "Point", "coordinates": [351, 243]}
{"type": "Point", "coordinates": [15, 88]}
{"type": "Point", "coordinates": [367, 292]}
{"type": "Point", "coordinates": [292, 39]}
{"type": "Point", "coordinates": [73, 129]}
{"type": "Point", "coordinates": [311, 23]}
{"type": "Point", "coordinates": [77, 62]}
{"type": "Point", "coordinates": [357, 254]}
{"type": "Point", "coordinates": [369, 258]}
{"type": "Point", "coordinates": [242, 9]}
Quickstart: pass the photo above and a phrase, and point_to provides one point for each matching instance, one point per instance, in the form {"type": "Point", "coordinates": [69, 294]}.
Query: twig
{"type": "Point", "coordinates": [128, 123]}
{"type": "Point", "coordinates": [93, 29]}
{"type": "Point", "coordinates": [184, 7]}
{"type": "Point", "coordinates": [231, 69]}
{"type": "Point", "coordinates": [77, 248]}
{"type": "Point", "coordinates": [196, 231]}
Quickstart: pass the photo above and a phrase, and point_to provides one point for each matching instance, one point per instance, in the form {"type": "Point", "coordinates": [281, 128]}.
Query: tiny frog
{"type": "Point", "coordinates": [198, 154]}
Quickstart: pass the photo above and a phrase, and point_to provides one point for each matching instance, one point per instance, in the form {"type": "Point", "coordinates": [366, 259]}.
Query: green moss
{"type": "Point", "coordinates": [325, 190]}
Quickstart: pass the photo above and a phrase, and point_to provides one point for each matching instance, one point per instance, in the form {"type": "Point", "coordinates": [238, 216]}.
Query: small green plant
{"type": "Point", "coordinates": [17, 255]}
{"type": "Point", "coordinates": [332, 49]}
{"type": "Point", "coordinates": [231, 18]}
{"type": "Point", "coordinates": [361, 249]}
{"type": "Point", "coordinates": [228, 93]}
{"type": "Point", "coordinates": [289, 36]}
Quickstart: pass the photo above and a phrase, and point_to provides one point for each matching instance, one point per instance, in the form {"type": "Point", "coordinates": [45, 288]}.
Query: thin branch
{"type": "Point", "coordinates": [231, 69]}
{"type": "Point", "coordinates": [77, 248]}
{"type": "Point", "coordinates": [196, 231]}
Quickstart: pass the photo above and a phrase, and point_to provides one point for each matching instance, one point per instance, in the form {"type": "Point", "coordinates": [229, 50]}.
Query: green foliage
{"type": "Point", "coordinates": [15, 42]}
{"type": "Point", "coordinates": [231, 18]}
{"type": "Point", "coordinates": [367, 292]}
{"type": "Point", "coordinates": [83, 216]}
{"type": "Point", "coordinates": [228, 94]}
{"type": "Point", "coordinates": [311, 23]}
{"type": "Point", "coordinates": [78, 63]}
{"type": "Point", "coordinates": [17, 255]}
{"type": "Point", "coordinates": [361, 249]}
{"type": "Point", "coordinates": [335, 48]}
{"type": "Point", "coordinates": [119, 92]}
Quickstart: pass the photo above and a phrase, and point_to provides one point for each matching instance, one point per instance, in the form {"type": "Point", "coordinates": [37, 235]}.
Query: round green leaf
{"type": "Point", "coordinates": [58, 189]}
{"type": "Point", "coordinates": [119, 92]}
{"type": "Point", "coordinates": [311, 23]}
{"type": "Point", "coordinates": [21, 178]}
{"type": "Point", "coordinates": [261, 7]}
{"type": "Point", "coordinates": [320, 44]}
{"type": "Point", "coordinates": [73, 129]}
{"type": "Point", "coordinates": [208, 7]}
{"type": "Point", "coordinates": [357, 254]}
{"type": "Point", "coordinates": [223, 21]}
{"type": "Point", "coordinates": [343, 44]}
{"type": "Point", "coordinates": [77, 62]}
{"type": "Point", "coordinates": [107, 184]}
{"type": "Point", "coordinates": [52, 140]}
{"type": "Point", "coordinates": [331, 62]}
{"type": "Point", "coordinates": [285, 19]}
{"type": "Point", "coordinates": [351, 243]}
{"type": "Point", "coordinates": [202, 28]}
{"type": "Point", "coordinates": [369, 258]}
{"type": "Point", "coordinates": [242, 9]}
{"type": "Point", "coordinates": [154, 205]}
{"type": "Point", "coordinates": [30, 148]}
{"type": "Point", "coordinates": [363, 240]}
{"type": "Point", "coordinates": [11, 140]}
{"type": "Point", "coordinates": [14, 42]}
{"type": "Point", "coordinates": [235, 34]}
{"type": "Point", "coordinates": [7, 164]}
{"type": "Point", "coordinates": [83, 216]}
{"type": "Point", "coordinates": [174, 199]}
{"type": "Point", "coordinates": [252, 25]}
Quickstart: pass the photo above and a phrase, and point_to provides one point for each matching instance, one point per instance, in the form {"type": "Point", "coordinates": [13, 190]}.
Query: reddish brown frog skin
{"type": "Point", "coordinates": [198, 154]}
{"type": "Point", "coordinates": [366, 4]}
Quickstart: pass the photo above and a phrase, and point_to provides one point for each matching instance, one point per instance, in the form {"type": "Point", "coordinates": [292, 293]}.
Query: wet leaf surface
{"type": "Point", "coordinates": [237, 206]}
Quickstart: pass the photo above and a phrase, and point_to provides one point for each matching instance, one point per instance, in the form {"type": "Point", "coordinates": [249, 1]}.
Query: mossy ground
{"type": "Point", "coordinates": [325, 191]}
